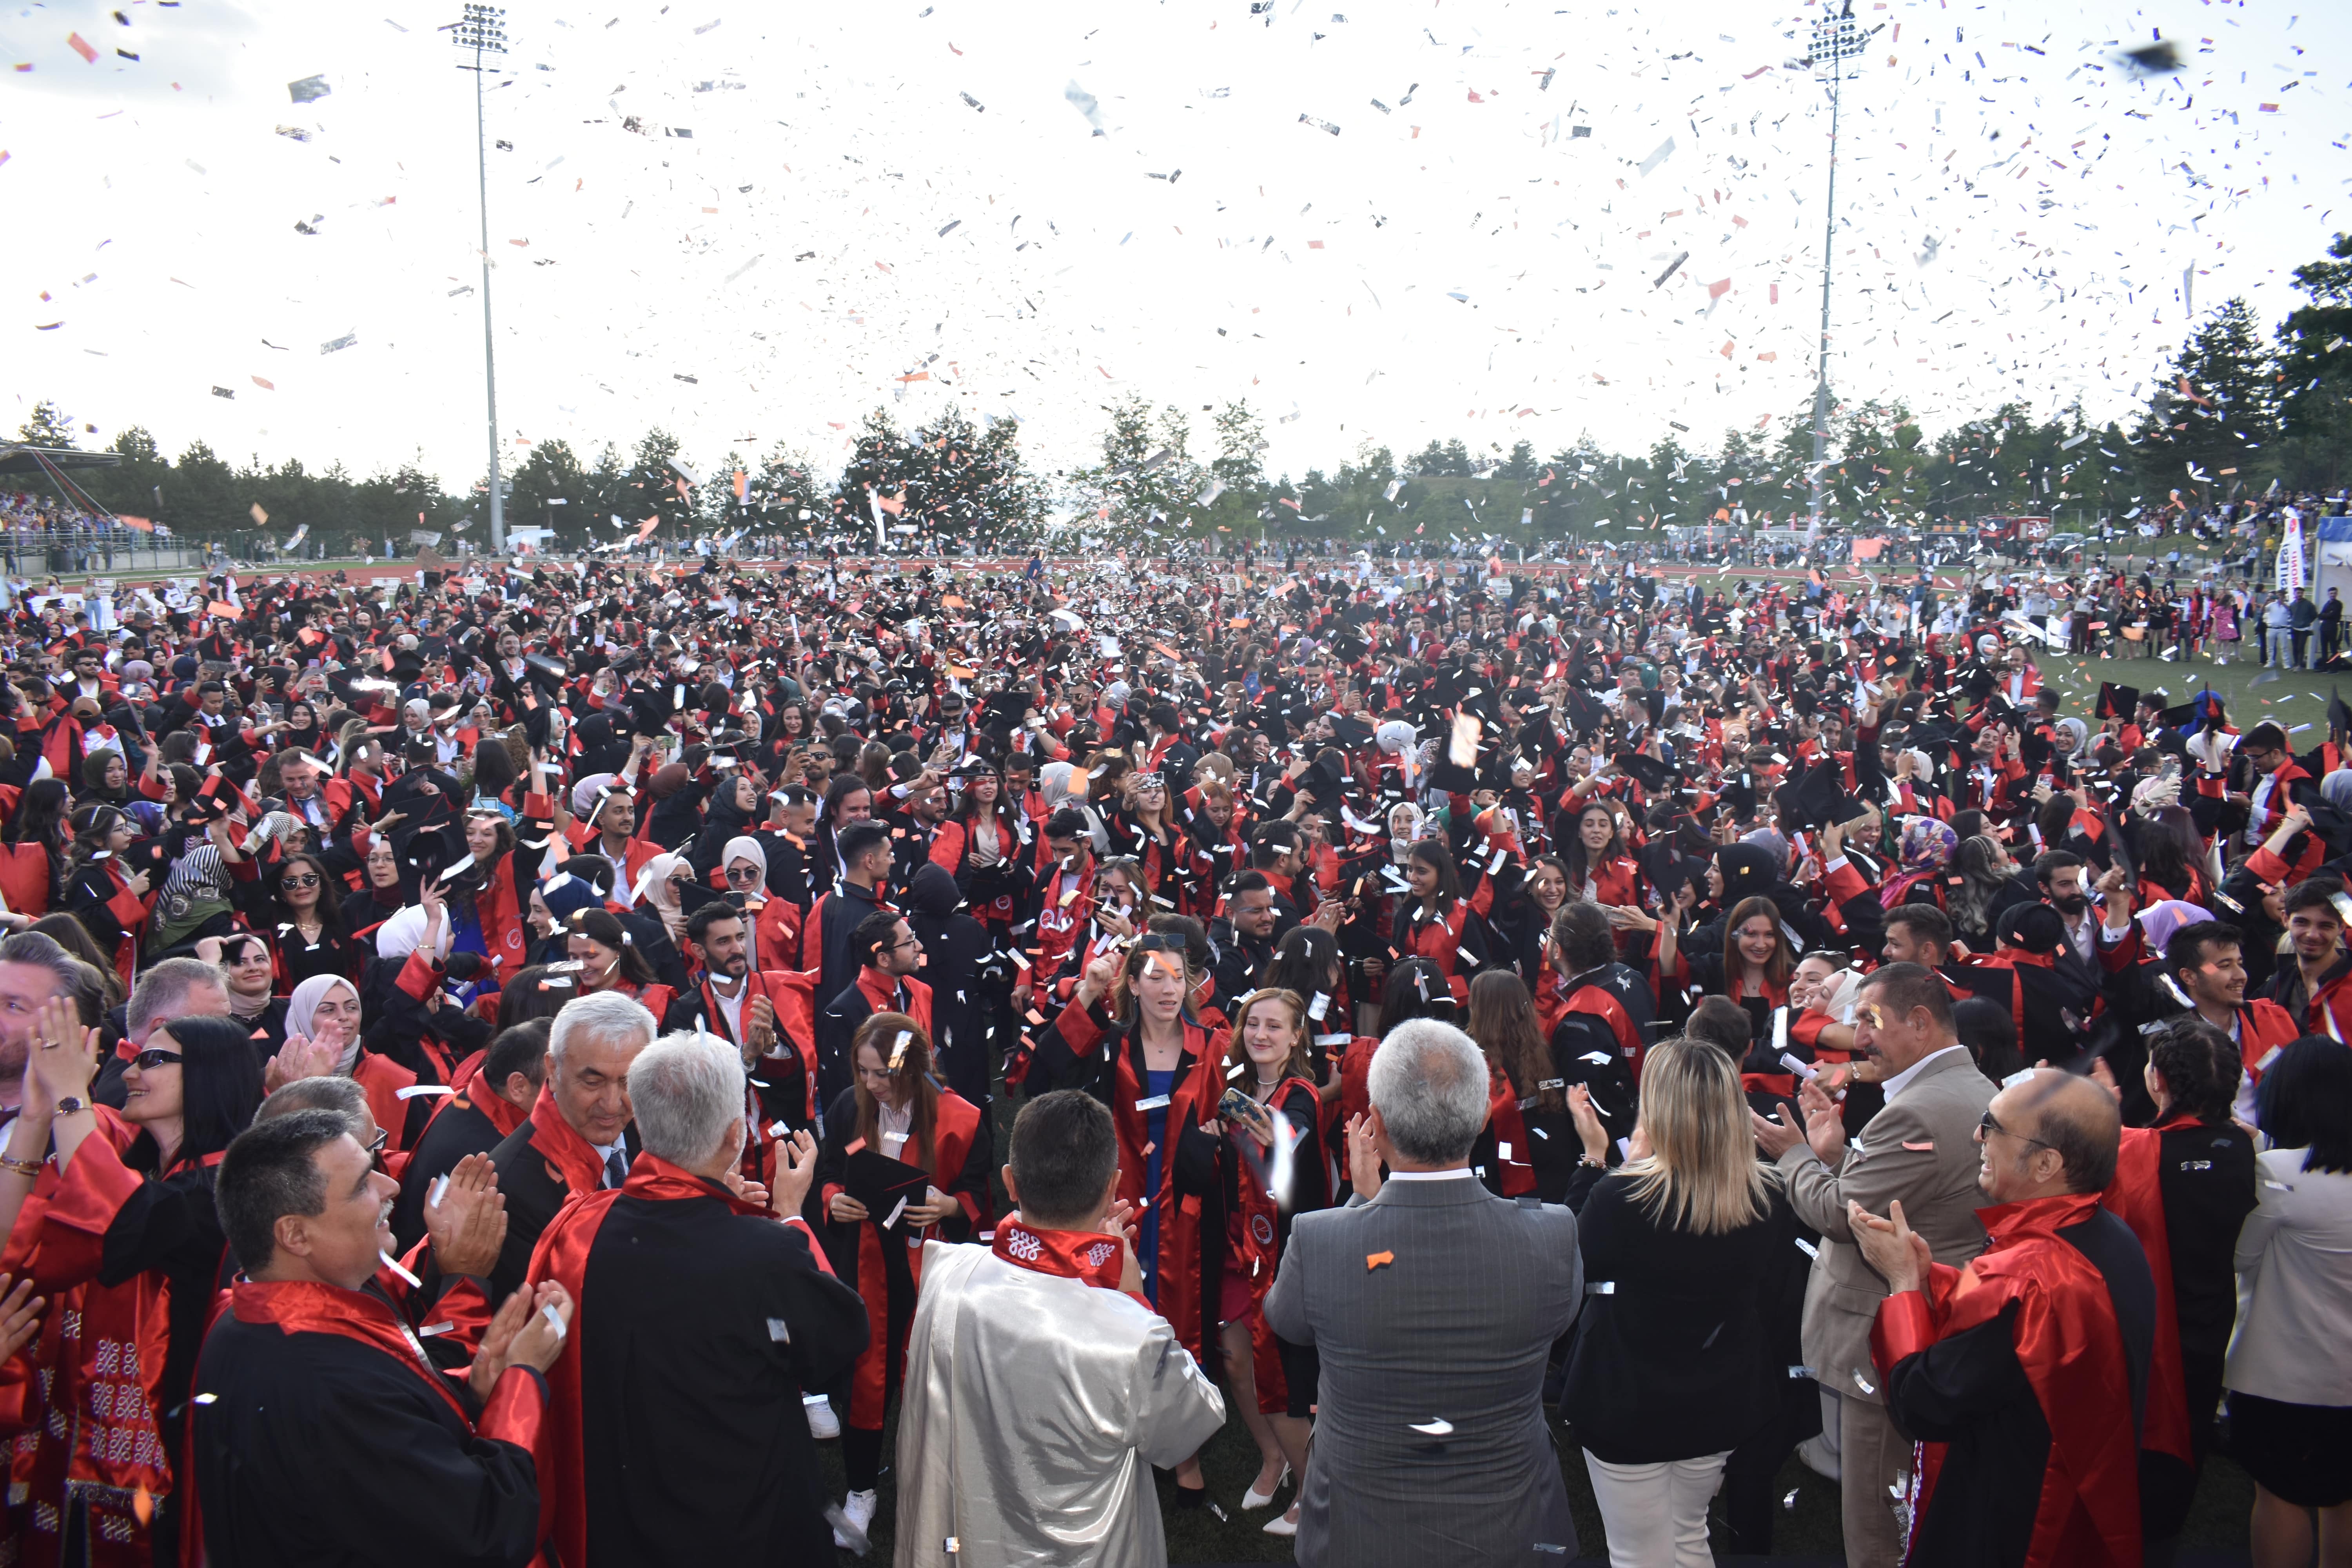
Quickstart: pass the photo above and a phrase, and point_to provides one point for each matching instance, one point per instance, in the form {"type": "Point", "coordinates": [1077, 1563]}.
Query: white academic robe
{"type": "Point", "coordinates": [1033, 1406]}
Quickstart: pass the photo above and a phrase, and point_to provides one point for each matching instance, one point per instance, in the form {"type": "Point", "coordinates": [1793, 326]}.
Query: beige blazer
{"type": "Point", "coordinates": [1921, 1148]}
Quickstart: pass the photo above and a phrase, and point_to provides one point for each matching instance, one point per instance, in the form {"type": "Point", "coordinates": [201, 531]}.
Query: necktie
{"type": "Point", "coordinates": [616, 1170]}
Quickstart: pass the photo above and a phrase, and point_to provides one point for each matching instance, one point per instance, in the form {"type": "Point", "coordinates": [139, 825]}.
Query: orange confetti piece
{"type": "Point", "coordinates": [1378, 1261]}
{"type": "Point", "coordinates": [81, 47]}
{"type": "Point", "coordinates": [142, 1506]}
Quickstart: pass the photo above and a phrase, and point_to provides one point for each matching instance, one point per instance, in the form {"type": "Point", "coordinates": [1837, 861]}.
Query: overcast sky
{"type": "Point", "coordinates": [746, 224]}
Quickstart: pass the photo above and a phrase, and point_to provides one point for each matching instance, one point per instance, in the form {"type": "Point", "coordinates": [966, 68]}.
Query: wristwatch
{"type": "Point", "coordinates": [71, 1104]}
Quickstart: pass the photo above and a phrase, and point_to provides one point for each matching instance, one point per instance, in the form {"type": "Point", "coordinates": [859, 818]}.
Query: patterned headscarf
{"type": "Point", "coordinates": [1928, 843]}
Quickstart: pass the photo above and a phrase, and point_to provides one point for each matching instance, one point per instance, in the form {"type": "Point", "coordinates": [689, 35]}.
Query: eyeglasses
{"type": "Point", "coordinates": [150, 1058]}
{"type": "Point", "coordinates": [305, 880]}
{"type": "Point", "coordinates": [746, 875]}
{"type": "Point", "coordinates": [1987, 1127]}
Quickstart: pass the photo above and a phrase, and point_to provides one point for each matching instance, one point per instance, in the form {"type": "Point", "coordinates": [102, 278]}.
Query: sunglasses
{"type": "Point", "coordinates": [744, 873]}
{"type": "Point", "coordinates": [150, 1058]}
{"type": "Point", "coordinates": [305, 880]}
{"type": "Point", "coordinates": [1987, 1127]}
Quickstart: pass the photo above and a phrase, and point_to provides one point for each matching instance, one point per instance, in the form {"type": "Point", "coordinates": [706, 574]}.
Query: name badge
{"type": "Point", "coordinates": [1157, 1103]}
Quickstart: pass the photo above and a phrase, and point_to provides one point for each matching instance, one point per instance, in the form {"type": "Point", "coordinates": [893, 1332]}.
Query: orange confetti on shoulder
{"type": "Point", "coordinates": [1378, 1261]}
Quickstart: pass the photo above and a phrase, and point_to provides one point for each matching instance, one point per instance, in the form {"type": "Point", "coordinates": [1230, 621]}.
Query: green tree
{"type": "Point", "coordinates": [1146, 478]}
{"type": "Point", "coordinates": [2218, 411]}
{"type": "Point", "coordinates": [2314, 373]}
{"type": "Point", "coordinates": [47, 427]}
{"type": "Point", "coordinates": [551, 491]}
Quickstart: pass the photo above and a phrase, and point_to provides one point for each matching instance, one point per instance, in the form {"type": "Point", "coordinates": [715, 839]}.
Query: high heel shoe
{"type": "Point", "coordinates": [1255, 1499]}
{"type": "Point", "coordinates": [1282, 1524]}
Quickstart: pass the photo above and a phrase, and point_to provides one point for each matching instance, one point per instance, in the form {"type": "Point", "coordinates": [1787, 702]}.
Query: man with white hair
{"type": "Point", "coordinates": [579, 1138]}
{"type": "Point", "coordinates": [1434, 1306]}
{"type": "Point", "coordinates": [702, 1311]}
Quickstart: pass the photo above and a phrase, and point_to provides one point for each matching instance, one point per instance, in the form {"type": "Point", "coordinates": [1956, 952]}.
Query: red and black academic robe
{"type": "Point", "coordinates": [1083, 1049]}
{"type": "Point", "coordinates": [697, 1318]}
{"type": "Point", "coordinates": [2023, 1377]}
{"type": "Point", "coordinates": [2135, 1197]}
{"type": "Point", "coordinates": [888, 1264]}
{"type": "Point", "coordinates": [870, 993]}
{"type": "Point", "coordinates": [779, 1096]}
{"type": "Point", "coordinates": [473, 1120]}
{"type": "Point", "coordinates": [1257, 1227]}
{"type": "Point", "coordinates": [321, 1424]}
{"type": "Point", "coordinates": [542, 1165]}
{"type": "Point", "coordinates": [1456, 942]}
{"type": "Point", "coordinates": [115, 917]}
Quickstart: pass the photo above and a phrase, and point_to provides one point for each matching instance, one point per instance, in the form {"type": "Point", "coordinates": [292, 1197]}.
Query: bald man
{"type": "Point", "coordinates": [2025, 1373]}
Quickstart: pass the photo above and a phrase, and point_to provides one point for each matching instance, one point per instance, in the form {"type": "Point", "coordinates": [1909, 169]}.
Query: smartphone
{"type": "Point", "coordinates": [1234, 1106]}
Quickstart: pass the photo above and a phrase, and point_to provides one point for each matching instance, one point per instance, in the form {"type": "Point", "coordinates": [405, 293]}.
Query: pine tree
{"type": "Point", "coordinates": [2314, 372]}
{"type": "Point", "coordinates": [2212, 421]}
{"type": "Point", "coordinates": [47, 427]}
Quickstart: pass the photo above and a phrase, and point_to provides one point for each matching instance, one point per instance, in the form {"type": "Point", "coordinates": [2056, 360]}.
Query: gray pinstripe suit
{"type": "Point", "coordinates": [1455, 1329]}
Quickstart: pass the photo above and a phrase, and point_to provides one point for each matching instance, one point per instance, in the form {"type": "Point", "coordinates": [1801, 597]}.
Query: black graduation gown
{"type": "Point", "coordinates": [693, 1448]}
{"type": "Point", "coordinates": [457, 1131]}
{"type": "Point", "coordinates": [318, 1450]}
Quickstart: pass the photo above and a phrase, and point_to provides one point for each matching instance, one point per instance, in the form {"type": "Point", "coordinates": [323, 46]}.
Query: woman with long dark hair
{"type": "Point", "coordinates": [609, 960]}
{"type": "Point", "coordinates": [111, 900]}
{"type": "Point", "coordinates": [143, 1251]}
{"type": "Point", "coordinates": [38, 842]}
{"type": "Point", "coordinates": [1529, 1143]}
{"type": "Point", "coordinates": [291, 902]}
{"type": "Point", "coordinates": [1753, 969]}
{"type": "Point", "coordinates": [2171, 856]}
{"type": "Point", "coordinates": [1435, 920]}
{"type": "Point", "coordinates": [984, 847]}
{"type": "Point", "coordinates": [1128, 1037]}
{"type": "Point", "coordinates": [1523, 917]}
{"type": "Point", "coordinates": [897, 1109]}
{"type": "Point", "coordinates": [1599, 869]}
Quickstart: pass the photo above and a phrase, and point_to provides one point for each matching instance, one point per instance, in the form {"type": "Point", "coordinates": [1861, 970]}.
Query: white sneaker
{"type": "Point", "coordinates": [824, 1424]}
{"type": "Point", "coordinates": [858, 1509]}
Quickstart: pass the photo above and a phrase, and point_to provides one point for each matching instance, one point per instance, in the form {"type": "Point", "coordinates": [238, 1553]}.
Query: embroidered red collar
{"type": "Point", "coordinates": [1088, 1255]}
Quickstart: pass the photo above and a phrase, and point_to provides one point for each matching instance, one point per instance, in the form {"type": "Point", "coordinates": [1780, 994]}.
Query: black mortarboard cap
{"type": "Point", "coordinates": [1816, 801]}
{"type": "Point", "coordinates": [1584, 710]}
{"type": "Point", "coordinates": [1350, 731]}
{"type": "Point", "coordinates": [1651, 773]}
{"type": "Point", "coordinates": [2117, 701]}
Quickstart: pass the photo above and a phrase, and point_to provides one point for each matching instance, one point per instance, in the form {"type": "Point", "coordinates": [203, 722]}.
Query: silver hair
{"type": "Point", "coordinates": [343, 1096]}
{"type": "Point", "coordinates": [605, 1015]}
{"type": "Point", "coordinates": [162, 992]}
{"type": "Point", "coordinates": [687, 1091]}
{"type": "Point", "coordinates": [1429, 1082]}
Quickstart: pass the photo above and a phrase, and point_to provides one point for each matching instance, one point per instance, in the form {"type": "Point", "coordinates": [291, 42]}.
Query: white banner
{"type": "Point", "coordinates": [2291, 575]}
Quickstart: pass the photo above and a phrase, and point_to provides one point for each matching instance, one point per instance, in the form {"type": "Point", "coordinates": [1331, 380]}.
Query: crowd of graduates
{"type": "Point", "coordinates": [435, 866]}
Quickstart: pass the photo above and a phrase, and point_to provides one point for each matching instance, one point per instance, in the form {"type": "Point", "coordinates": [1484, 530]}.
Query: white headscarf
{"type": "Point", "coordinates": [302, 1012]}
{"type": "Point", "coordinates": [399, 936]}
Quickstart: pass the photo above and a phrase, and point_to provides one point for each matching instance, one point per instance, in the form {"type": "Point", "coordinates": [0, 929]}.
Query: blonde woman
{"type": "Point", "coordinates": [1672, 1368]}
{"type": "Point", "coordinates": [1272, 1381]}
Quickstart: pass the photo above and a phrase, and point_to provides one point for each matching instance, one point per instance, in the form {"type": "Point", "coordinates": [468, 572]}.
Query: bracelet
{"type": "Point", "coordinates": [32, 1168]}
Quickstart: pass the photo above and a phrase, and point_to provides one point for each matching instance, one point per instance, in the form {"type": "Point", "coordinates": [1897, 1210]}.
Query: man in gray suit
{"type": "Point", "coordinates": [1920, 1149]}
{"type": "Point", "coordinates": [1434, 1306]}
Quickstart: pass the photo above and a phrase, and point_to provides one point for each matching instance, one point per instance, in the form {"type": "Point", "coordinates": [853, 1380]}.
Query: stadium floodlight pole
{"type": "Point", "coordinates": [484, 31]}
{"type": "Point", "coordinates": [1836, 40]}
